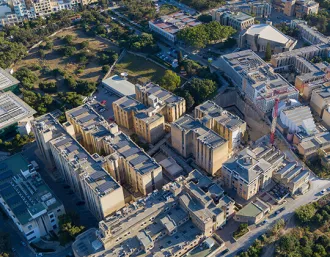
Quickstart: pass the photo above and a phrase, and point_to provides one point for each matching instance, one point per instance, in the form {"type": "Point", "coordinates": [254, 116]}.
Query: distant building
{"type": "Point", "coordinates": [237, 20]}
{"type": "Point", "coordinates": [256, 79]}
{"type": "Point", "coordinates": [12, 111]}
{"type": "Point", "coordinates": [309, 34]}
{"type": "Point", "coordinates": [169, 25]}
{"type": "Point", "coordinates": [191, 138]}
{"type": "Point", "coordinates": [258, 36]}
{"type": "Point", "coordinates": [300, 8]}
{"type": "Point", "coordinates": [27, 200]}
{"type": "Point", "coordinates": [226, 124]}
{"type": "Point", "coordinates": [259, 9]}
{"type": "Point", "coordinates": [251, 170]}
{"type": "Point", "coordinates": [175, 219]}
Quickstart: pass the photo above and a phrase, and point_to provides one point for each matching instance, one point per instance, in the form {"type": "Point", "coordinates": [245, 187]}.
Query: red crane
{"type": "Point", "coordinates": [274, 121]}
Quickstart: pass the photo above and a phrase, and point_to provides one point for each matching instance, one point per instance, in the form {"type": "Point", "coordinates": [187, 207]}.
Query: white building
{"type": "Point", "coordinates": [258, 36]}
{"type": "Point", "coordinates": [27, 200]}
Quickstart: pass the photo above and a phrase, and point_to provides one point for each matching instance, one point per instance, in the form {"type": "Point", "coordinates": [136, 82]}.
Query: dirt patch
{"type": "Point", "coordinates": [53, 59]}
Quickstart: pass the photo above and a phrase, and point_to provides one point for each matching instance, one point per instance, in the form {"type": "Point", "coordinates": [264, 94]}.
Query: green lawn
{"type": "Point", "coordinates": [139, 69]}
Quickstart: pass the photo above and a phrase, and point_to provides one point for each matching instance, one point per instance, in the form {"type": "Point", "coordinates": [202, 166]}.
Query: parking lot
{"type": "Point", "coordinates": [106, 98]}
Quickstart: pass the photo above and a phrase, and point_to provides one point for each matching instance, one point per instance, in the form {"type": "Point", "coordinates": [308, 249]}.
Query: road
{"type": "Point", "coordinates": [244, 242]}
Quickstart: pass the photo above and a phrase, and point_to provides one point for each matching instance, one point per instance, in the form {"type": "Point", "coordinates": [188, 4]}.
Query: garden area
{"type": "Point", "coordinates": [139, 69]}
{"type": "Point", "coordinates": [63, 69]}
{"type": "Point", "coordinates": [241, 231]}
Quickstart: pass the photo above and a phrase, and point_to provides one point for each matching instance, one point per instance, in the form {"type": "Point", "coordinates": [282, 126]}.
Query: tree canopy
{"type": "Point", "coordinates": [170, 80]}
{"type": "Point", "coordinates": [69, 227]}
{"type": "Point", "coordinates": [201, 35]}
{"type": "Point", "coordinates": [203, 5]}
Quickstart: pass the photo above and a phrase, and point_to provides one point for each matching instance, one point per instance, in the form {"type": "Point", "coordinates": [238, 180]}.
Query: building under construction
{"type": "Point", "coordinates": [257, 80]}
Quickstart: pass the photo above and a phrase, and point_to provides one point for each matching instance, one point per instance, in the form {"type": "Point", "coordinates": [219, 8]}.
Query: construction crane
{"type": "Point", "coordinates": [274, 121]}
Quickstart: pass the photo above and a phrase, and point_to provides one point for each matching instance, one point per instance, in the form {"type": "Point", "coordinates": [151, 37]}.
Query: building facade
{"type": "Point", "coordinates": [237, 20]}
{"type": "Point", "coordinates": [226, 124]}
{"type": "Point", "coordinates": [191, 138]}
{"type": "Point", "coordinates": [251, 170]}
{"type": "Point", "coordinates": [27, 200]}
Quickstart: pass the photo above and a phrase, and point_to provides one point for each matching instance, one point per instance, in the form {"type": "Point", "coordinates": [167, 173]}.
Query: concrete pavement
{"type": "Point", "coordinates": [245, 241]}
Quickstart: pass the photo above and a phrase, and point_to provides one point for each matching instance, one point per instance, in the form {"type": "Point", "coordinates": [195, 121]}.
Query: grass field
{"type": "Point", "coordinates": [91, 72]}
{"type": "Point", "coordinates": [139, 69]}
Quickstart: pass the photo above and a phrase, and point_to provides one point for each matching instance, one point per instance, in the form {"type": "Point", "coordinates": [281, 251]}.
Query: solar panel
{"type": "Point", "coordinates": [107, 186]}
{"type": "Point", "coordinates": [130, 152]}
{"type": "Point", "coordinates": [62, 142]}
{"type": "Point", "coordinates": [97, 175]}
{"type": "Point", "coordinates": [87, 118]}
{"type": "Point", "coordinates": [139, 159]}
{"type": "Point", "coordinates": [6, 174]}
{"type": "Point", "coordinates": [71, 148]}
{"type": "Point", "coordinates": [78, 112]}
{"type": "Point", "coordinates": [81, 156]}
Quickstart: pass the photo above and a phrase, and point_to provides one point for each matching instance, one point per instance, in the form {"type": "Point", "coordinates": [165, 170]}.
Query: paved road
{"type": "Point", "coordinates": [244, 242]}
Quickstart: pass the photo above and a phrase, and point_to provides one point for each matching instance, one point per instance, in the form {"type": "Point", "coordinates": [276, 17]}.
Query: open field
{"type": "Point", "coordinates": [139, 69]}
{"type": "Point", "coordinates": [91, 71]}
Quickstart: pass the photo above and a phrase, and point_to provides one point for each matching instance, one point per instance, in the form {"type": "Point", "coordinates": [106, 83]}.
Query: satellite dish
{"type": "Point", "coordinates": [124, 74]}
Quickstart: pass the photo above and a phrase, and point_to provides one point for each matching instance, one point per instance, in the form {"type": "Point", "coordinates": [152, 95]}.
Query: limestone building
{"type": "Point", "coordinates": [191, 138]}
{"type": "Point", "coordinates": [226, 124]}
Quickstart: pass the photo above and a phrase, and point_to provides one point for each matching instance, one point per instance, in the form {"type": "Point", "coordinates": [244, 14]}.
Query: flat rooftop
{"type": "Point", "coordinates": [211, 110]}
{"type": "Point", "coordinates": [13, 109]}
{"type": "Point", "coordinates": [7, 80]}
{"type": "Point", "coordinates": [119, 86]}
{"type": "Point", "coordinates": [175, 22]}
{"type": "Point", "coordinates": [261, 77]}
{"type": "Point", "coordinates": [24, 191]}
{"type": "Point", "coordinates": [99, 180]}
{"type": "Point", "coordinates": [152, 89]}
{"type": "Point", "coordinates": [253, 161]}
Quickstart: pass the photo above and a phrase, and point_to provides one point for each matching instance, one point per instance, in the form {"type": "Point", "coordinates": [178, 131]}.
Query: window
{"type": "Point", "coordinates": [58, 210]}
{"type": "Point", "coordinates": [51, 216]}
{"type": "Point", "coordinates": [30, 233]}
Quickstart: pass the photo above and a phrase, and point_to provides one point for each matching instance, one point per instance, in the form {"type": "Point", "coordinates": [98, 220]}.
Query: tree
{"type": "Point", "coordinates": [205, 18]}
{"type": "Point", "coordinates": [68, 39]}
{"type": "Point", "coordinates": [69, 228]}
{"type": "Point", "coordinates": [49, 87]}
{"type": "Point", "coordinates": [203, 34]}
{"type": "Point", "coordinates": [10, 52]}
{"type": "Point", "coordinates": [71, 98]}
{"type": "Point", "coordinates": [42, 54]}
{"type": "Point", "coordinates": [49, 45]}
{"type": "Point", "coordinates": [84, 44]}
{"type": "Point", "coordinates": [180, 57]}
{"type": "Point", "coordinates": [305, 213]}
{"type": "Point", "coordinates": [26, 77]}
{"type": "Point", "coordinates": [5, 245]}
{"type": "Point", "coordinates": [69, 51]}
{"type": "Point", "coordinates": [170, 80]}
{"type": "Point", "coordinates": [189, 99]}
{"type": "Point", "coordinates": [288, 243]}
{"type": "Point", "coordinates": [105, 68]}
{"type": "Point", "coordinates": [202, 89]}
{"type": "Point", "coordinates": [268, 52]}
